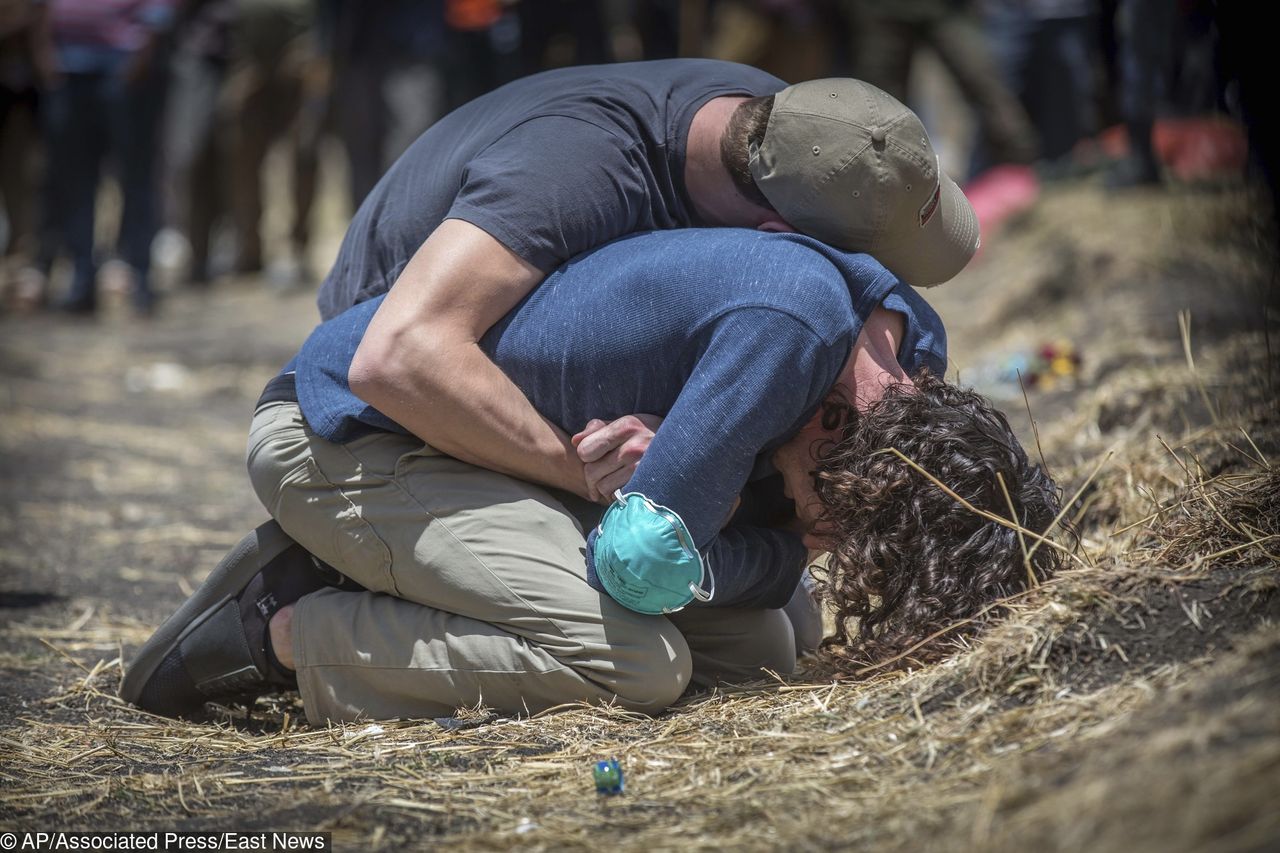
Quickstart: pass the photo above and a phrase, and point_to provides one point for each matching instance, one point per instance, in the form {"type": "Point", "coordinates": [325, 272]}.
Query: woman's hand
{"type": "Point", "coordinates": [610, 451]}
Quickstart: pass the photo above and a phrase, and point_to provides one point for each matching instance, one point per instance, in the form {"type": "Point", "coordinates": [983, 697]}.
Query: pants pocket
{"type": "Point", "coordinates": [320, 517]}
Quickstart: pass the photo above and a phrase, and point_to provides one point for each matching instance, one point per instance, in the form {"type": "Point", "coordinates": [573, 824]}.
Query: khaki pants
{"type": "Point", "coordinates": [477, 589]}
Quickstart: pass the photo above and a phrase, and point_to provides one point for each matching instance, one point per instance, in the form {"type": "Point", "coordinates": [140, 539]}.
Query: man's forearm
{"type": "Point", "coordinates": [420, 363]}
{"type": "Point", "coordinates": [485, 420]}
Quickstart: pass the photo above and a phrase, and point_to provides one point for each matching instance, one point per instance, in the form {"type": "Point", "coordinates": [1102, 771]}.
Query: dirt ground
{"type": "Point", "coordinates": [1131, 704]}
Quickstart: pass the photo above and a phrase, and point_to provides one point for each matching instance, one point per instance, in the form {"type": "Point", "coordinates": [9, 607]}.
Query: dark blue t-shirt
{"type": "Point", "coordinates": [733, 336]}
{"type": "Point", "coordinates": [550, 165]}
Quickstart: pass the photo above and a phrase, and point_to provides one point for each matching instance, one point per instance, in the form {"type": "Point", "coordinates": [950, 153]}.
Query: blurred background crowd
{"type": "Point", "coordinates": [134, 133]}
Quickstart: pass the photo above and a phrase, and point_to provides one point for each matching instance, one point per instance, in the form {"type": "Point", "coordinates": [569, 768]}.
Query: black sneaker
{"type": "Point", "coordinates": [215, 648]}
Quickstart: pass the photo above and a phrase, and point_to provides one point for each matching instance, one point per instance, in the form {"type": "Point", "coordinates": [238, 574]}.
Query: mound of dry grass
{"type": "Point", "coordinates": [1131, 702]}
{"type": "Point", "coordinates": [1083, 717]}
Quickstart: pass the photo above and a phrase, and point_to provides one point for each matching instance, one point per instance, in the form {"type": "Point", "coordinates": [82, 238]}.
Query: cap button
{"type": "Point", "coordinates": [878, 135]}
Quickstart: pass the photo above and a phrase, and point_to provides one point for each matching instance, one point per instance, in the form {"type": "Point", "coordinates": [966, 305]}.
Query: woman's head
{"type": "Point", "coordinates": [907, 558]}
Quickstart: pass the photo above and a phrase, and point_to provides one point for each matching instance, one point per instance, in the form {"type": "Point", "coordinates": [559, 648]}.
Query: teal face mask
{"type": "Point", "coordinates": [646, 559]}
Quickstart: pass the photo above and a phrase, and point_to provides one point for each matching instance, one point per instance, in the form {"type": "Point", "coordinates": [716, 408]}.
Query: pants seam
{"type": "Point", "coordinates": [386, 549]}
{"type": "Point", "coordinates": [479, 560]}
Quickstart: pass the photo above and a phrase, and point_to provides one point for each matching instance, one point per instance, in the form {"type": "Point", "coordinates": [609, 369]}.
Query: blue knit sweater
{"type": "Point", "coordinates": [733, 336]}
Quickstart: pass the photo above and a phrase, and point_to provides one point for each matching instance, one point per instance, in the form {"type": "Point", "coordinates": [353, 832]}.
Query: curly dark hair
{"type": "Point", "coordinates": [909, 559]}
{"type": "Point", "coordinates": [746, 124]}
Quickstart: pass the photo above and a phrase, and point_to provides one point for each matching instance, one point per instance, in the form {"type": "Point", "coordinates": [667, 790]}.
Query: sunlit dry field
{"type": "Point", "coordinates": [1132, 703]}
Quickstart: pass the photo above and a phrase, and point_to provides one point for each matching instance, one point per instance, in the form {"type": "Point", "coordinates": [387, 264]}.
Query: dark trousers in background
{"type": "Point", "coordinates": [18, 141]}
{"type": "Point", "coordinates": [1048, 63]}
{"type": "Point", "coordinates": [89, 118]}
{"type": "Point", "coordinates": [269, 99]}
{"type": "Point", "coordinates": [382, 106]}
{"type": "Point", "coordinates": [1146, 55]}
{"type": "Point", "coordinates": [193, 195]}
{"type": "Point", "coordinates": [887, 33]}
{"type": "Point", "coordinates": [268, 112]}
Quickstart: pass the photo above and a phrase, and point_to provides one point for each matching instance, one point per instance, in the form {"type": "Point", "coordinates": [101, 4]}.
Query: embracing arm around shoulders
{"type": "Point", "coordinates": [420, 361]}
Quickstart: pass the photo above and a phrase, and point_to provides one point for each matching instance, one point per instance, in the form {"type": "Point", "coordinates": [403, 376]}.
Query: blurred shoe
{"type": "Point", "coordinates": [216, 647]}
{"type": "Point", "coordinates": [30, 288]}
{"type": "Point", "coordinates": [116, 278]}
{"type": "Point", "coordinates": [171, 255]}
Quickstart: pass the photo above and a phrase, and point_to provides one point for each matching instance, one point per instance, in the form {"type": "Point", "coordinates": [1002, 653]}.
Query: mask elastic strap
{"type": "Point", "coordinates": [698, 592]}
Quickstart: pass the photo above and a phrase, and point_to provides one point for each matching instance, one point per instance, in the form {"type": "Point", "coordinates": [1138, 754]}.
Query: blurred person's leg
{"type": "Point", "coordinates": [306, 178]}
{"type": "Point", "coordinates": [1009, 32]}
{"type": "Point", "coordinates": [1146, 29]}
{"type": "Point", "coordinates": [1048, 65]}
{"type": "Point", "coordinates": [206, 204]}
{"type": "Point", "coordinates": [882, 45]}
{"type": "Point", "coordinates": [32, 286]}
{"type": "Point", "coordinates": [18, 141]}
{"type": "Point", "coordinates": [190, 154]}
{"type": "Point", "coordinates": [791, 45]}
{"type": "Point", "coordinates": [658, 24]}
{"type": "Point", "coordinates": [962, 47]}
{"type": "Point", "coordinates": [478, 61]}
{"type": "Point", "coordinates": [1243, 56]}
{"type": "Point", "coordinates": [556, 33]}
{"type": "Point", "coordinates": [308, 104]}
{"type": "Point", "coordinates": [381, 108]}
{"type": "Point", "coordinates": [277, 107]}
{"type": "Point", "coordinates": [739, 32]}
{"type": "Point", "coordinates": [133, 122]}
{"type": "Point", "coordinates": [414, 94]}
{"type": "Point", "coordinates": [1068, 86]}
{"type": "Point", "coordinates": [75, 129]}
{"type": "Point", "coordinates": [251, 108]}
{"type": "Point", "coordinates": [584, 22]}
{"type": "Point", "coordinates": [264, 92]}
{"type": "Point", "coordinates": [362, 123]}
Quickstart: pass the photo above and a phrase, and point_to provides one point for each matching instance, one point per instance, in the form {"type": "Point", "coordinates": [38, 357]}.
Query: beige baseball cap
{"type": "Point", "coordinates": [849, 164]}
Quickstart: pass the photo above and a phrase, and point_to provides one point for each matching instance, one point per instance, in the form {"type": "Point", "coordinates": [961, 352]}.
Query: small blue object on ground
{"type": "Point", "coordinates": [608, 776]}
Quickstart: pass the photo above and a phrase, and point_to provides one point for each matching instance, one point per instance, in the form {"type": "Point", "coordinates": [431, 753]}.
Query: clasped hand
{"type": "Point", "coordinates": [611, 450]}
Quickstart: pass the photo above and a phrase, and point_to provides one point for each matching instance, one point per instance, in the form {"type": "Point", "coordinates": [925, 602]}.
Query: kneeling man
{"type": "Point", "coordinates": [780, 368]}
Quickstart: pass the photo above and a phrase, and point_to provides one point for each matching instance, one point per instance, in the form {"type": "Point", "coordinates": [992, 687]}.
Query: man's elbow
{"type": "Point", "coordinates": [375, 371]}
{"type": "Point", "coordinates": [392, 367]}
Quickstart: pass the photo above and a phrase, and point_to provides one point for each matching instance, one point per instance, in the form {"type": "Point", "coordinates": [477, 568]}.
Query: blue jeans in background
{"type": "Point", "coordinates": [90, 117]}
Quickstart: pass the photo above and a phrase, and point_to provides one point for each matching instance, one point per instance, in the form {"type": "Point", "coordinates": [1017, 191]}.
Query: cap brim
{"type": "Point", "coordinates": [943, 245]}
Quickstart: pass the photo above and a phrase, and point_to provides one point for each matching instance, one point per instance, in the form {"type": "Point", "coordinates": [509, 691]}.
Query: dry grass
{"type": "Point", "coordinates": [1130, 703]}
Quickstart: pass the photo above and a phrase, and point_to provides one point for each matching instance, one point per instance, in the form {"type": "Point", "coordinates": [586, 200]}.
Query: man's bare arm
{"type": "Point", "coordinates": [420, 362]}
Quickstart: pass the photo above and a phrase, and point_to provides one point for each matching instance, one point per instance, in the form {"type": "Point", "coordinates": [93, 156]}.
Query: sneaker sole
{"type": "Point", "coordinates": [224, 583]}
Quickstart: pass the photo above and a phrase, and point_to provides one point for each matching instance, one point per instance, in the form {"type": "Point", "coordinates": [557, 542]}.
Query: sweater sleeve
{"type": "Point", "coordinates": [754, 566]}
{"type": "Point", "coordinates": [762, 374]}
